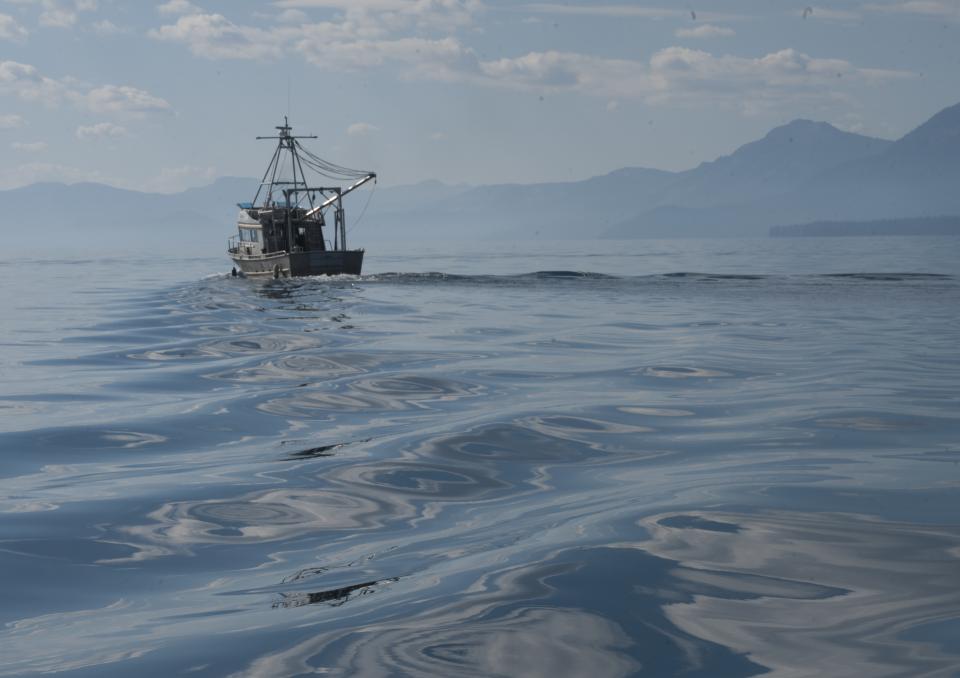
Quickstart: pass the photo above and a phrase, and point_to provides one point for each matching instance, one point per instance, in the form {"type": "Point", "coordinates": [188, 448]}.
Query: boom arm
{"type": "Point", "coordinates": [332, 199]}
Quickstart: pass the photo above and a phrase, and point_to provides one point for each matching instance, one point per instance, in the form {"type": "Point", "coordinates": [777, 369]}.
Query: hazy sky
{"type": "Point", "coordinates": [165, 95]}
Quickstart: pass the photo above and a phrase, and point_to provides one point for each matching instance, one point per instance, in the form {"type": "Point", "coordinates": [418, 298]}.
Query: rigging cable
{"type": "Point", "coordinates": [364, 211]}
{"type": "Point", "coordinates": [327, 168]}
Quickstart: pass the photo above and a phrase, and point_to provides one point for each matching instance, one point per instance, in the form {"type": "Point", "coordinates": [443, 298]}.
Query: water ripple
{"type": "Point", "coordinates": [516, 467]}
{"type": "Point", "coordinates": [400, 392]}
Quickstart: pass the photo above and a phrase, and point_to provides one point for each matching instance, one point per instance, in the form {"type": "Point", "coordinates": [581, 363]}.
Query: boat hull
{"type": "Point", "coordinates": [283, 264]}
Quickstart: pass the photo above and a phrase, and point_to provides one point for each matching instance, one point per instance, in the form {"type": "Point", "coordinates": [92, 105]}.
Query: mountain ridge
{"type": "Point", "coordinates": [801, 171]}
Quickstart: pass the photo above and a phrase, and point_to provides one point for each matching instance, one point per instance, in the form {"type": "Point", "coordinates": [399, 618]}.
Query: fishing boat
{"type": "Point", "coordinates": [280, 233]}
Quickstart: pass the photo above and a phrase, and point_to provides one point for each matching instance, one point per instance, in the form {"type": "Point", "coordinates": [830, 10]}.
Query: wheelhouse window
{"type": "Point", "coordinates": [250, 234]}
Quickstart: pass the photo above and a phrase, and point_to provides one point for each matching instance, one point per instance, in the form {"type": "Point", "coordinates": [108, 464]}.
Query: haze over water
{"type": "Point", "coordinates": [697, 457]}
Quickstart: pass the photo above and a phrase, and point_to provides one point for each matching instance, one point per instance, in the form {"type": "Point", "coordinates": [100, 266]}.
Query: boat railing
{"type": "Point", "coordinates": [236, 246]}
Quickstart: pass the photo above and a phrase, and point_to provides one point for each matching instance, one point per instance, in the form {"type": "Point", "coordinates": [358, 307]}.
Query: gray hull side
{"type": "Point", "coordinates": [303, 263]}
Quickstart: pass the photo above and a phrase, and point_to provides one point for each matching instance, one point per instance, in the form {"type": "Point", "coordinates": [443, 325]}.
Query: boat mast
{"type": "Point", "coordinates": [285, 142]}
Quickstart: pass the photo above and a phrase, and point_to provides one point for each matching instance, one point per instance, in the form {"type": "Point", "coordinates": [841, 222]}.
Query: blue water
{"type": "Point", "coordinates": [654, 458]}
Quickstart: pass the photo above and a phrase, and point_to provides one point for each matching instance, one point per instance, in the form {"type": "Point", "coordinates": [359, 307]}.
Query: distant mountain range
{"type": "Point", "coordinates": [907, 226]}
{"type": "Point", "coordinates": [800, 172]}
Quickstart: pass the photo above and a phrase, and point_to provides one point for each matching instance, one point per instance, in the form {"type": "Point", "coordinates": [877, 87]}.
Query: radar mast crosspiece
{"type": "Point", "coordinates": [285, 132]}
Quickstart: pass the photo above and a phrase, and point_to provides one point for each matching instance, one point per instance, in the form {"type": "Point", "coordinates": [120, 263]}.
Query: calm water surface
{"type": "Point", "coordinates": [705, 458]}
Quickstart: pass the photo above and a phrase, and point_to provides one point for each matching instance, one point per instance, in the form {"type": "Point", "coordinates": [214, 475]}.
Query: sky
{"type": "Point", "coordinates": [163, 96]}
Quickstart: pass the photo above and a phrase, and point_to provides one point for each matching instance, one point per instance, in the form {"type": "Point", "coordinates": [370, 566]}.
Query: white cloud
{"type": "Point", "coordinates": [349, 44]}
{"type": "Point", "coordinates": [446, 14]}
{"type": "Point", "coordinates": [29, 146]}
{"type": "Point", "coordinates": [107, 27]}
{"type": "Point", "coordinates": [369, 5]}
{"type": "Point", "coordinates": [553, 70]}
{"type": "Point", "coordinates": [362, 33]}
{"type": "Point", "coordinates": [626, 11]}
{"type": "Point", "coordinates": [58, 17]}
{"type": "Point", "coordinates": [606, 10]}
{"type": "Point", "coordinates": [11, 121]}
{"type": "Point", "coordinates": [431, 59]}
{"type": "Point", "coordinates": [26, 82]}
{"type": "Point", "coordinates": [361, 129]}
{"type": "Point", "coordinates": [60, 13]}
{"type": "Point", "coordinates": [124, 99]}
{"type": "Point", "coordinates": [178, 7]}
{"type": "Point", "coordinates": [292, 16]}
{"type": "Point", "coordinates": [613, 106]}
{"type": "Point", "coordinates": [11, 30]}
{"type": "Point", "coordinates": [391, 34]}
{"type": "Point", "coordinates": [679, 75]}
{"type": "Point", "coordinates": [705, 31]}
{"type": "Point", "coordinates": [438, 136]}
{"type": "Point", "coordinates": [13, 70]}
{"type": "Point", "coordinates": [213, 36]}
{"type": "Point", "coordinates": [101, 130]}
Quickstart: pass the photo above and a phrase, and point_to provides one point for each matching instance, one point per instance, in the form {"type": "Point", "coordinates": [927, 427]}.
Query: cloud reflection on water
{"type": "Point", "coordinates": [544, 474]}
{"type": "Point", "coordinates": [886, 578]}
